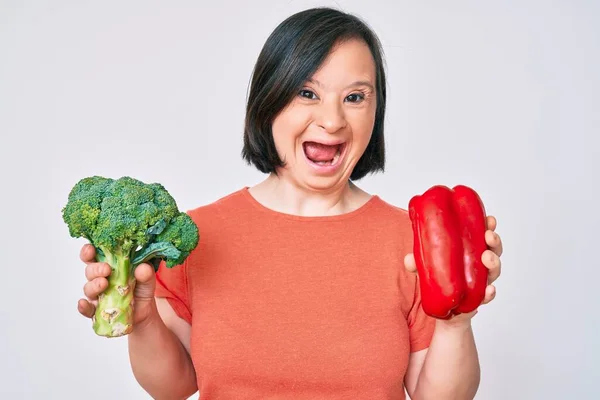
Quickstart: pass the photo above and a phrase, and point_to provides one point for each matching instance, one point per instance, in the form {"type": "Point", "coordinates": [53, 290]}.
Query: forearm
{"type": "Point", "coordinates": [451, 368]}
{"type": "Point", "coordinates": [159, 361]}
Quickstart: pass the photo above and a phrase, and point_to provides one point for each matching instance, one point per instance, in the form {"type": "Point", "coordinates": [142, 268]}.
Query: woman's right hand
{"type": "Point", "coordinates": [96, 274]}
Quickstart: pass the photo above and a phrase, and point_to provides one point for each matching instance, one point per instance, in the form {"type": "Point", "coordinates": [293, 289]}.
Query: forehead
{"type": "Point", "coordinates": [349, 60]}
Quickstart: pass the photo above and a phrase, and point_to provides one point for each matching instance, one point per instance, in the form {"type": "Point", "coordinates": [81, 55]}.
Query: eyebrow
{"type": "Point", "coordinates": [355, 83]}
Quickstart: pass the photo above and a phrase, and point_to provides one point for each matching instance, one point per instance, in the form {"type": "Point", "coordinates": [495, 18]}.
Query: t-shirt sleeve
{"type": "Point", "coordinates": [172, 284]}
{"type": "Point", "coordinates": [420, 325]}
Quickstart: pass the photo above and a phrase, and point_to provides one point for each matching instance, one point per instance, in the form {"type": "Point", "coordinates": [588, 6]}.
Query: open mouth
{"type": "Point", "coordinates": [323, 154]}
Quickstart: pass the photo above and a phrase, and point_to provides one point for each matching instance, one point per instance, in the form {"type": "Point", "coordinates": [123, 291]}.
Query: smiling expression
{"type": "Point", "coordinates": [326, 128]}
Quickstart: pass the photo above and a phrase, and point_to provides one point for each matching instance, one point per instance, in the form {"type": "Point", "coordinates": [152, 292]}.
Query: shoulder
{"type": "Point", "coordinates": [217, 222]}
{"type": "Point", "coordinates": [228, 216]}
{"type": "Point", "coordinates": [205, 213]}
{"type": "Point", "coordinates": [394, 224]}
{"type": "Point", "coordinates": [402, 227]}
{"type": "Point", "coordinates": [393, 216]}
{"type": "Point", "coordinates": [392, 210]}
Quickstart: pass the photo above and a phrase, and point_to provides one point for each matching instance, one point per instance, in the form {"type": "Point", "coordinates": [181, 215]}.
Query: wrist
{"type": "Point", "coordinates": [456, 324]}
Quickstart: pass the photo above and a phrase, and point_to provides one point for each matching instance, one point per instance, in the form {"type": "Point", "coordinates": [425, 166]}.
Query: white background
{"type": "Point", "coordinates": [503, 96]}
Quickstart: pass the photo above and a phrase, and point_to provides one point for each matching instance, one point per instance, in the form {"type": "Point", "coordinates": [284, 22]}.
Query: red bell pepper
{"type": "Point", "coordinates": [449, 238]}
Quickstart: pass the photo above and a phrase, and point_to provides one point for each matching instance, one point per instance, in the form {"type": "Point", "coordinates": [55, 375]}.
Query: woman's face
{"type": "Point", "coordinates": [324, 131]}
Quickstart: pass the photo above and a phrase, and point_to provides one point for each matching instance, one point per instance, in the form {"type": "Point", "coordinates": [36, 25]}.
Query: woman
{"type": "Point", "coordinates": [303, 286]}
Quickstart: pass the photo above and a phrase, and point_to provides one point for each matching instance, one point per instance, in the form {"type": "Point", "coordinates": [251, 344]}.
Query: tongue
{"type": "Point", "coordinates": [320, 152]}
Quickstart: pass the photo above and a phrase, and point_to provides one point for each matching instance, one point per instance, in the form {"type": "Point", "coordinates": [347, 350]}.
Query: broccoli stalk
{"type": "Point", "coordinates": [114, 315]}
{"type": "Point", "coordinates": [129, 223]}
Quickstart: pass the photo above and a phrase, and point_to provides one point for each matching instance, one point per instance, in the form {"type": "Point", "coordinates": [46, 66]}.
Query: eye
{"type": "Point", "coordinates": [355, 97]}
{"type": "Point", "coordinates": [307, 94]}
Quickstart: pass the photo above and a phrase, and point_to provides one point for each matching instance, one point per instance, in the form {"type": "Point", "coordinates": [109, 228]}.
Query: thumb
{"type": "Point", "coordinates": [409, 263]}
{"type": "Point", "coordinates": [145, 281]}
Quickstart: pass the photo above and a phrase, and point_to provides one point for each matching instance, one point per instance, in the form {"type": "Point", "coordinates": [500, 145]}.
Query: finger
{"type": "Point", "coordinates": [145, 281]}
{"type": "Point", "coordinates": [491, 222]}
{"type": "Point", "coordinates": [490, 294]}
{"type": "Point", "coordinates": [494, 241]}
{"type": "Point", "coordinates": [94, 287]}
{"type": "Point", "coordinates": [409, 263]}
{"type": "Point", "coordinates": [144, 273]}
{"type": "Point", "coordinates": [493, 264]}
{"type": "Point", "coordinates": [87, 253]}
{"type": "Point", "coordinates": [86, 308]}
{"type": "Point", "coordinates": [95, 270]}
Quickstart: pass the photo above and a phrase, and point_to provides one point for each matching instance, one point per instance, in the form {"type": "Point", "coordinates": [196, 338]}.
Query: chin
{"type": "Point", "coordinates": [321, 184]}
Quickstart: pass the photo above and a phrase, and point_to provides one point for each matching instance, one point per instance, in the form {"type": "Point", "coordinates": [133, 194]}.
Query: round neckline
{"type": "Point", "coordinates": [316, 218]}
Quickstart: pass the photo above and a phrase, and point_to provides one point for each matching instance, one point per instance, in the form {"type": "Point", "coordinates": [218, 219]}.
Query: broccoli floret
{"type": "Point", "coordinates": [129, 222]}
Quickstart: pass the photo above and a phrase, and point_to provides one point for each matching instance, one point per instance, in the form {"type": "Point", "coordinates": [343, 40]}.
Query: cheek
{"type": "Point", "coordinates": [281, 135]}
{"type": "Point", "coordinates": [287, 127]}
{"type": "Point", "coordinates": [362, 128]}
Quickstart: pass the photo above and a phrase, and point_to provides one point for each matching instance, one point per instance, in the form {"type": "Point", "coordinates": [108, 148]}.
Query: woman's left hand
{"type": "Point", "coordinates": [490, 258]}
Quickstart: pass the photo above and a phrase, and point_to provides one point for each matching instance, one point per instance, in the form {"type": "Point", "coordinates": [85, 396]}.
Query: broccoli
{"type": "Point", "coordinates": [129, 222]}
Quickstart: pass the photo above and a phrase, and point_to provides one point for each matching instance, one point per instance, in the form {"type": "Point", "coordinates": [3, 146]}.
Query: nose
{"type": "Point", "coordinates": [331, 117]}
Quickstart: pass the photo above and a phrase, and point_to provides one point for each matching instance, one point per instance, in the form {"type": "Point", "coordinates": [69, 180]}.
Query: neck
{"type": "Point", "coordinates": [285, 196]}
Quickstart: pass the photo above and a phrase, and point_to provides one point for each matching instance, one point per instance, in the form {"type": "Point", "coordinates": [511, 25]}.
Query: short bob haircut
{"type": "Point", "coordinates": [291, 55]}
